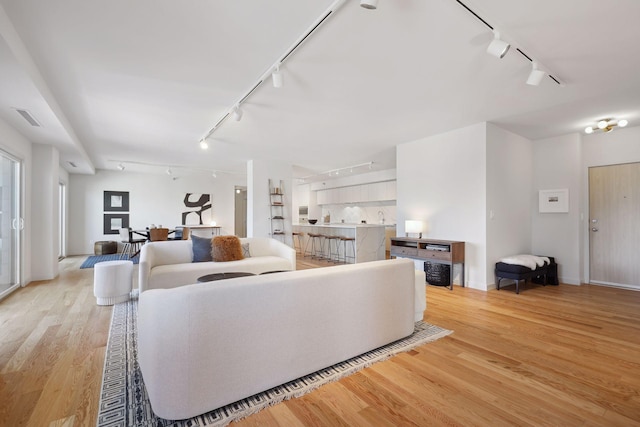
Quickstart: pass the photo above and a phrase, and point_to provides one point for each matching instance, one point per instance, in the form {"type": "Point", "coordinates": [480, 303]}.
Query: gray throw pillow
{"type": "Point", "coordinates": [201, 249]}
{"type": "Point", "coordinates": [245, 250]}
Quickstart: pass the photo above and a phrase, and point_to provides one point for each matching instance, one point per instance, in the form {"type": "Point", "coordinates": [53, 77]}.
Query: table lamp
{"type": "Point", "coordinates": [413, 226]}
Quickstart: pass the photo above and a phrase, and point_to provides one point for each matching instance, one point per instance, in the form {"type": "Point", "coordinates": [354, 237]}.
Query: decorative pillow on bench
{"type": "Point", "coordinates": [226, 248]}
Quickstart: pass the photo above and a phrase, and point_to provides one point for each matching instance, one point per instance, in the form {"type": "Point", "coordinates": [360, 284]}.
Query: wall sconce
{"type": "Point", "coordinates": [414, 227]}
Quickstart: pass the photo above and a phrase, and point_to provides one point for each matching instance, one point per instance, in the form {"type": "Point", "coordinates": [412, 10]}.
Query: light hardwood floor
{"type": "Point", "coordinates": [556, 355]}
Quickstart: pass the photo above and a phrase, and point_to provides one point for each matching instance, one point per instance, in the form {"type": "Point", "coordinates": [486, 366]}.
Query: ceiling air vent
{"type": "Point", "coordinates": [28, 117]}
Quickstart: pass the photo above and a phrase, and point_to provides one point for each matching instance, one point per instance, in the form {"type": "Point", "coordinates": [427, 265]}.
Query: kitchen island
{"type": "Point", "coordinates": [369, 243]}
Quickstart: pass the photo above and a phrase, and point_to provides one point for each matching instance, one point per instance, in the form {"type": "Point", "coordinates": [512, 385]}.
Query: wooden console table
{"type": "Point", "coordinates": [437, 251]}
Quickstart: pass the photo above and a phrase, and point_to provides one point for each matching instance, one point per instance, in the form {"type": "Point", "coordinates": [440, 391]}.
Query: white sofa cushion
{"type": "Point", "coordinates": [173, 275]}
{"type": "Point", "coordinates": [168, 264]}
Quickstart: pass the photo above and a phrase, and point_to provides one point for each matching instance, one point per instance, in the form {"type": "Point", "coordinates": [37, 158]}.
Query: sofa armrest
{"type": "Point", "coordinates": [421, 295]}
{"type": "Point", "coordinates": [284, 251]}
{"type": "Point", "coordinates": [144, 267]}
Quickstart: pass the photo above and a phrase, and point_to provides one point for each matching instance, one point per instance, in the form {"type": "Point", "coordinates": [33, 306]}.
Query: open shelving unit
{"type": "Point", "coordinates": [276, 209]}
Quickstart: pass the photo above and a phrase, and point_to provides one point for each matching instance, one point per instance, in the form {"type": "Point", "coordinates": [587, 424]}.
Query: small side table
{"type": "Point", "coordinates": [112, 281]}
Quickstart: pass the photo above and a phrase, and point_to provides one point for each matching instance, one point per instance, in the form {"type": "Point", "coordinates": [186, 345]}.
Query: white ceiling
{"type": "Point", "coordinates": [141, 82]}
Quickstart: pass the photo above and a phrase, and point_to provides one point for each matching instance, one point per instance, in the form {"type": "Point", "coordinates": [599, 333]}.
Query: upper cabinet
{"type": "Point", "coordinates": [374, 192]}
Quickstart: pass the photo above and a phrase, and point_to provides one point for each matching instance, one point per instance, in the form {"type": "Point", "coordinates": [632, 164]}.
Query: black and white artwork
{"type": "Point", "coordinates": [197, 209]}
{"type": "Point", "coordinates": [114, 222]}
{"type": "Point", "coordinates": [116, 201]}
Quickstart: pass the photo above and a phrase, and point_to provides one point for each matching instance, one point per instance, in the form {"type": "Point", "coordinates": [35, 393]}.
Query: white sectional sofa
{"type": "Point", "coordinates": [168, 264]}
{"type": "Point", "coordinates": [229, 339]}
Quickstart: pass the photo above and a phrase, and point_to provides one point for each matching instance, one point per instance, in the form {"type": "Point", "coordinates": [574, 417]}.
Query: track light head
{"type": "Point", "coordinates": [169, 172]}
{"type": "Point", "coordinates": [213, 174]}
{"type": "Point", "coordinates": [204, 144]}
{"type": "Point", "coordinates": [536, 75]}
{"type": "Point", "coordinates": [369, 4]}
{"type": "Point", "coordinates": [237, 113]}
{"type": "Point", "coordinates": [121, 167]}
{"type": "Point", "coordinates": [277, 78]}
{"type": "Point", "coordinates": [498, 47]}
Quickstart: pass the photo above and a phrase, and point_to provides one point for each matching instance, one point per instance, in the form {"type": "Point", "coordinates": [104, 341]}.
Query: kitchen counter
{"type": "Point", "coordinates": [369, 238]}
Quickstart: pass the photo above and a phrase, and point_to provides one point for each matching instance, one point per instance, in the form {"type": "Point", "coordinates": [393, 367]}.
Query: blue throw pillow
{"type": "Point", "coordinates": [201, 248]}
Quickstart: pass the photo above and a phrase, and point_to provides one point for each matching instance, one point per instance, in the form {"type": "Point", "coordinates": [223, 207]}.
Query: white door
{"type": "Point", "coordinates": [614, 224]}
{"type": "Point", "coordinates": [11, 224]}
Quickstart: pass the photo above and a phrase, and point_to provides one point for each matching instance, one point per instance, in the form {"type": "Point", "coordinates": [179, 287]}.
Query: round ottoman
{"type": "Point", "coordinates": [112, 281]}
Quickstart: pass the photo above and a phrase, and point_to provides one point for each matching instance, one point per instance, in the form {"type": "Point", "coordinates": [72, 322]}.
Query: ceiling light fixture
{"type": "Point", "coordinates": [237, 113]}
{"type": "Point", "coordinates": [606, 125]}
{"type": "Point", "coordinates": [498, 47]}
{"type": "Point", "coordinates": [536, 75]}
{"type": "Point", "coordinates": [121, 167]}
{"type": "Point", "coordinates": [336, 172]}
{"type": "Point", "coordinates": [494, 44]}
{"type": "Point", "coordinates": [275, 68]}
{"type": "Point", "coordinates": [369, 4]}
{"type": "Point", "coordinates": [170, 168]}
{"type": "Point", "coordinates": [276, 76]}
{"type": "Point", "coordinates": [204, 144]}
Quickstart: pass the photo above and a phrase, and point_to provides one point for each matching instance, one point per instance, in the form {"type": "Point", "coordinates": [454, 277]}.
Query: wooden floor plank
{"type": "Point", "coordinates": [552, 355]}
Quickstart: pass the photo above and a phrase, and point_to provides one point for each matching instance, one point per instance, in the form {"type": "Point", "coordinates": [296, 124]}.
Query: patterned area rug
{"type": "Point", "coordinates": [124, 400]}
{"type": "Point", "coordinates": [93, 259]}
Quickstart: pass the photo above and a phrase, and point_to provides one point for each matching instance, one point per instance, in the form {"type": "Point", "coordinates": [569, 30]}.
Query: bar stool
{"type": "Point", "coordinates": [317, 245]}
{"type": "Point", "coordinates": [333, 255]}
{"type": "Point", "coordinates": [344, 240]}
{"type": "Point", "coordinates": [299, 235]}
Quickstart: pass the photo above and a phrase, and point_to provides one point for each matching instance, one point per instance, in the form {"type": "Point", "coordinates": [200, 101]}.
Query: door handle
{"type": "Point", "coordinates": [594, 229]}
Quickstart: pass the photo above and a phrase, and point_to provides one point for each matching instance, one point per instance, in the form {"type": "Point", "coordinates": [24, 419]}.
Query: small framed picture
{"type": "Point", "coordinates": [116, 201]}
{"type": "Point", "coordinates": [553, 201]}
{"type": "Point", "coordinates": [114, 222]}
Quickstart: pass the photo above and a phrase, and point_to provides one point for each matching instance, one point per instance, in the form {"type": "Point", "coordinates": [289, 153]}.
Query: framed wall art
{"type": "Point", "coordinates": [116, 201]}
{"type": "Point", "coordinates": [553, 201]}
{"type": "Point", "coordinates": [114, 222]}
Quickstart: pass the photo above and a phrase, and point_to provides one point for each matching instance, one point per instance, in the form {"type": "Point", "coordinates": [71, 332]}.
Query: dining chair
{"type": "Point", "coordinates": [158, 234]}
{"type": "Point", "coordinates": [181, 233]}
{"type": "Point", "coordinates": [131, 246]}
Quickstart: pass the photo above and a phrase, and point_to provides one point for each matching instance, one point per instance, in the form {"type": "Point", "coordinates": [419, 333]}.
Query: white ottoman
{"type": "Point", "coordinates": [112, 281]}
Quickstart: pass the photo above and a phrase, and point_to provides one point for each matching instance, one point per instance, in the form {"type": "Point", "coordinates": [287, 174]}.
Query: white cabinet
{"type": "Point", "coordinates": [390, 190]}
{"type": "Point", "coordinates": [374, 192]}
{"type": "Point", "coordinates": [322, 197]}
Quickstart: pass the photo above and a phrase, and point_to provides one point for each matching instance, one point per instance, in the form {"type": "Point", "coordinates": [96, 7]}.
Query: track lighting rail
{"type": "Point", "coordinates": [276, 65]}
{"type": "Point", "coordinates": [493, 29]}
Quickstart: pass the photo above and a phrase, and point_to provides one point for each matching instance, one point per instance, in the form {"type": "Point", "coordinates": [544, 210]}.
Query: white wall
{"type": "Point", "coordinates": [599, 149]}
{"type": "Point", "coordinates": [153, 199]}
{"type": "Point", "coordinates": [45, 205]}
{"type": "Point", "coordinates": [21, 148]}
{"type": "Point", "coordinates": [442, 181]}
{"type": "Point", "coordinates": [557, 165]}
{"type": "Point", "coordinates": [509, 196]}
